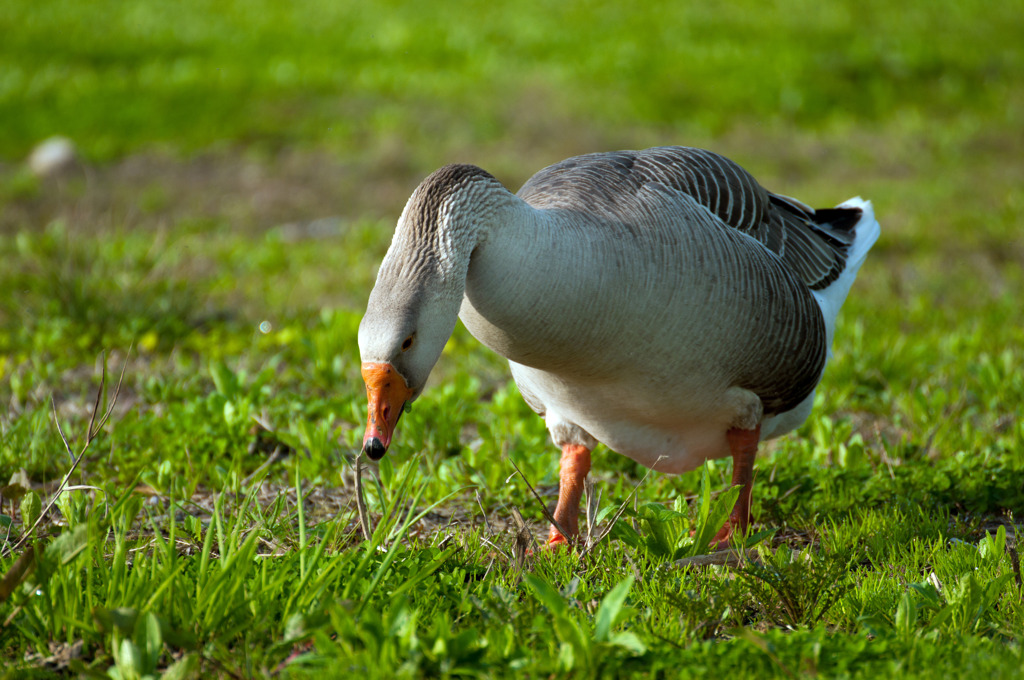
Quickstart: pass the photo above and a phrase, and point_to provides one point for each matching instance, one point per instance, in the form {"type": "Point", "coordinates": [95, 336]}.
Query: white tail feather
{"type": "Point", "coordinates": [831, 299]}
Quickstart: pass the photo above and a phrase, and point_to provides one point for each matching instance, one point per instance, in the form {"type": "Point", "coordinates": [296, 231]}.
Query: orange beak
{"type": "Point", "coordinates": [386, 393]}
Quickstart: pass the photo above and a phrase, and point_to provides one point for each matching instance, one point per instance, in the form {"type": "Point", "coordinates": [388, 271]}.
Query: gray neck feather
{"type": "Point", "coordinates": [447, 216]}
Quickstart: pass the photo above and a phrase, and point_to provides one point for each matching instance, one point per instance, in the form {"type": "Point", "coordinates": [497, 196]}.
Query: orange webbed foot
{"type": "Point", "coordinates": [557, 541]}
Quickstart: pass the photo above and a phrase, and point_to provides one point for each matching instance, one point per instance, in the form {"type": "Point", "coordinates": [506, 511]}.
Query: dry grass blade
{"type": "Point", "coordinates": [524, 539]}
{"type": "Point", "coordinates": [91, 433]}
{"type": "Point", "coordinates": [96, 405]}
{"type": "Point", "coordinates": [480, 504]}
{"type": "Point", "coordinates": [56, 421]}
{"type": "Point", "coordinates": [113, 400]}
{"type": "Point", "coordinates": [497, 550]}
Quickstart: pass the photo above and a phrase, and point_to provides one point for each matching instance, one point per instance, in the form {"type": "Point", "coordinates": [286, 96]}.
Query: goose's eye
{"type": "Point", "coordinates": [408, 342]}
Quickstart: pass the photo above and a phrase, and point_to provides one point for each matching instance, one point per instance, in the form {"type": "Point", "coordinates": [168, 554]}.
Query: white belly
{"type": "Point", "coordinates": [672, 431]}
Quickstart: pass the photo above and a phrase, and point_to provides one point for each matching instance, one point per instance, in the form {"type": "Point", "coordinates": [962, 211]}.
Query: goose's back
{"type": "Point", "coordinates": [812, 243]}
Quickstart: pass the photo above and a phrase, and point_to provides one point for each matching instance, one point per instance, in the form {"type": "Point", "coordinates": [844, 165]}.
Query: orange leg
{"type": "Point", "coordinates": [572, 472]}
{"type": "Point", "coordinates": [743, 445]}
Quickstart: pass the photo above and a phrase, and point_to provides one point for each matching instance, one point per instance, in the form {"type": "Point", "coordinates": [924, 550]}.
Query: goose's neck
{"type": "Point", "coordinates": [453, 212]}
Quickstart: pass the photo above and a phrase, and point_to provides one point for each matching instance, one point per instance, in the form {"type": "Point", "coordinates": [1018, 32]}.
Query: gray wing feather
{"type": "Point", "coordinates": [813, 243]}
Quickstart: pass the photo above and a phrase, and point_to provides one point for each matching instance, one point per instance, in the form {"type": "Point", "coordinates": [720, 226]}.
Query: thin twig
{"type": "Point", "coordinates": [622, 509]}
{"type": "Point", "coordinates": [364, 515]}
{"type": "Point", "coordinates": [543, 505]}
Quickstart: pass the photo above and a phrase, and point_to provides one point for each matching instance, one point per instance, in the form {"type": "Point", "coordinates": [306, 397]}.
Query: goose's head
{"type": "Point", "coordinates": [400, 339]}
{"type": "Point", "coordinates": [415, 303]}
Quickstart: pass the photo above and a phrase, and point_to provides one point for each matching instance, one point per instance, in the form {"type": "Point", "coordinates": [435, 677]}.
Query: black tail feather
{"type": "Point", "coordinates": [838, 218]}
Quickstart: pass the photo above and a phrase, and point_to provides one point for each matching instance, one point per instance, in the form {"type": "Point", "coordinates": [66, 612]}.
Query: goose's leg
{"type": "Point", "coordinates": [743, 446]}
{"type": "Point", "coordinates": [572, 472]}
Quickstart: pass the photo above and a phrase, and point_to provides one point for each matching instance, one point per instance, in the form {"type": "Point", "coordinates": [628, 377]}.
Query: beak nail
{"type": "Point", "coordinates": [374, 448]}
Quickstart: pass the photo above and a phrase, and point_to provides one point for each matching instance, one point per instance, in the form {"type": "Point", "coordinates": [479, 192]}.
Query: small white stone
{"type": "Point", "coordinates": [51, 156]}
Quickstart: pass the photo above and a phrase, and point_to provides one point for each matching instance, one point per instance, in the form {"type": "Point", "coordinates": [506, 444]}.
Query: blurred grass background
{"type": "Point", "coordinates": [119, 77]}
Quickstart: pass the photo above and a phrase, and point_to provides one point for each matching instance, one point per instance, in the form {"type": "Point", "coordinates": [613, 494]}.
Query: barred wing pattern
{"type": "Point", "coordinates": [812, 243]}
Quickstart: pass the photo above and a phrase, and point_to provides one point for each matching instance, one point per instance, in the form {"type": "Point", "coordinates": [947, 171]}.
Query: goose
{"type": "Point", "coordinates": [660, 302]}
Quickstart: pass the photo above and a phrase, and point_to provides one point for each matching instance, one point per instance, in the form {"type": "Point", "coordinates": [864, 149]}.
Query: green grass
{"type": "Point", "coordinates": [243, 166]}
